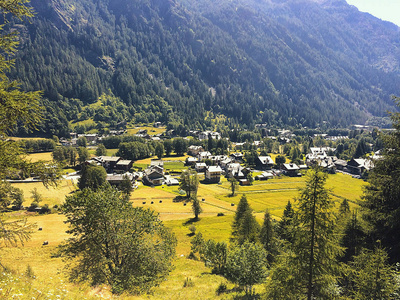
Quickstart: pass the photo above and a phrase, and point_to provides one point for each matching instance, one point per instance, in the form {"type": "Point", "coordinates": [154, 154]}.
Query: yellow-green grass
{"type": "Point", "coordinates": [170, 209]}
{"type": "Point", "coordinates": [150, 130]}
{"type": "Point", "coordinates": [170, 158]}
{"type": "Point", "coordinates": [346, 186]}
{"type": "Point", "coordinates": [85, 122]}
{"type": "Point", "coordinates": [171, 163]}
{"type": "Point", "coordinates": [274, 155]}
{"type": "Point", "coordinates": [51, 195]}
{"type": "Point", "coordinates": [33, 252]}
{"type": "Point", "coordinates": [26, 138]}
{"type": "Point", "coordinates": [176, 166]}
{"type": "Point", "coordinates": [176, 216]}
{"type": "Point", "coordinates": [46, 156]}
{"type": "Point", "coordinates": [111, 152]}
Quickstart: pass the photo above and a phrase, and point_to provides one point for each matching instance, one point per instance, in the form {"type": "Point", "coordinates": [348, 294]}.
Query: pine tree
{"type": "Point", "coordinates": [242, 207]}
{"type": "Point", "coordinates": [267, 237]}
{"type": "Point", "coordinates": [16, 106]}
{"type": "Point", "coordinates": [309, 269]}
{"type": "Point", "coordinates": [284, 225]}
{"type": "Point", "coordinates": [249, 229]}
{"type": "Point", "coordinates": [381, 203]}
{"type": "Point", "coordinates": [372, 276]}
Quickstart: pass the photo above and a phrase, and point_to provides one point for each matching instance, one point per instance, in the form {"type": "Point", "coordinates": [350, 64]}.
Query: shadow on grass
{"type": "Point", "coordinates": [180, 199]}
{"type": "Point", "coordinates": [191, 221]}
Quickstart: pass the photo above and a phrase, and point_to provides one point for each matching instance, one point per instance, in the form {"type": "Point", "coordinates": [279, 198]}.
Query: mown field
{"type": "Point", "coordinates": [215, 199]}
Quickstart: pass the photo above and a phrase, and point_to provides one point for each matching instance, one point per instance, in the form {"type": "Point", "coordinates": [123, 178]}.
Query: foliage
{"type": "Point", "coordinates": [354, 237]}
{"type": "Point", "coordinates": [39, 145]}
{"type": "Point", "coordinates": [159, 150]}
{"type": "Point", "coordinates": [81, 141]}
{"type": "Point", "coordinates": [117, 58]}
{"type": "Point", "coordinates": [65, 155]}
{"type": "Point", "coordinates": [246, 265]}
{"type": "Point", "coordinates": [126, 186]}
{"type": "Point", "coordinates": [92, 177]}
{"type": "Point", "coordinates": [168, 147]}
{"type": "Point", "coordinates": [280, 160]}
{"type": "Point", "coordinates": [309, 268]}
{"type": "Point", "coordinates": [248, 230]}
{"type": "Point", "coordinates": [233, 185]}
{"type": "Point", "coordinates": [133, 150]}
{"type": "Point", "coordinates": [214, 255]}
{"type": "Point", "coordinates": [126, 247]}
{"type": "Point", "coordinates": [36, 197]}
{"type": "Point", "coordinates": [372, 277]}
{"type": "Point", "coordinates": [10, 195]}
{"type": "Point", "coordinates": [284, 226]}
{"type": "Point", "coordinates": [83, 154]}
{"type": "Point", "coordinates": [189, 182]}
{"type": "Point", "coordinates": [268, 238]}
{"type": "Point", "coordinates": [180, 146]}
{"type": "Point", "coordinates": [380, 200]}
{"type": "Point", "coordinates": [101, 150]}
{"type": "Point", "coordinates": [14, 232]}
{"type": "Point", "coordinates": [241, 209]}
{"type": "Point", "coordinates": [196, 207]}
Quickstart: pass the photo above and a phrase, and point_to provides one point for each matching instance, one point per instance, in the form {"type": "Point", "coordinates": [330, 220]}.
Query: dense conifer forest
{"type": "Point", "coordinates": [298, 63]}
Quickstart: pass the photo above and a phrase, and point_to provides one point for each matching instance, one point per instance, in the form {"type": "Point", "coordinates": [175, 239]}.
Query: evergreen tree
{"type": "Point", "coordinates": [267, 237]}
{"type": "Point", "coordinates": [354, 238]}
{"type": "Point", "coordinates": [249, 229]}
{"type": "Point", "coordinates": [241, 209]}
{"type": "Point", "coordinates": [284, 227]}
{"type": "Point", "coordinates": [381, 205]}
{"type": "Point", "coordinates": [344, 207]}
{"type": "Point", "coordinates": [372, 276]}
{"type": "Point", "coordinates": [309, 269]}
{"type": "Point", "coordinates": [21, 107]}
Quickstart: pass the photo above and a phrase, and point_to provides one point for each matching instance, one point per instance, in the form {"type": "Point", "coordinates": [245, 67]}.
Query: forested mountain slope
{"type": "Point", "coordinates": [280, 62]}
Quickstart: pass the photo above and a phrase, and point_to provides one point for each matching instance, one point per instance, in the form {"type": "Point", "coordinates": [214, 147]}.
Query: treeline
{"type": "Point", "coordinates": [38, 145]}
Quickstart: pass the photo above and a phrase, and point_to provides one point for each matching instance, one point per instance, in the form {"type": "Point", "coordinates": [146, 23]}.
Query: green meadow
{"type": "Point", "coordinates": [215, 200]}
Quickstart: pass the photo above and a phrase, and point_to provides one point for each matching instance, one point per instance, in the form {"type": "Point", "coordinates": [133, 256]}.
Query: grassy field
{"type": "Point", "coordinates": [272, 194]}
{"type": "Point", "coordinates": [150, 130]}
{"type": "Point", "coordinates": [51, 196]}
{"type": "Point", "coordinates": [34, 157]}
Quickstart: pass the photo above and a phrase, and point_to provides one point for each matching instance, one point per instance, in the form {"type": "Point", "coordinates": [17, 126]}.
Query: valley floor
{"type": "Point", "coordinates": [215, 199]}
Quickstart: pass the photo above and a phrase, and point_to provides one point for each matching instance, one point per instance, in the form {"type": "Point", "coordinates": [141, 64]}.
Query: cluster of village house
{"type": "Point", "coordinates": [221, 165]}
{"type": "Point", "coordinates": [229, 166]}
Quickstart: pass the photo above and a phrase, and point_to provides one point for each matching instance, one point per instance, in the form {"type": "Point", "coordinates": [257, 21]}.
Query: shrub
{"type": "Point", "coordinates": [192, 256]}
{"type": "Point", "coordinates": [221, 288]}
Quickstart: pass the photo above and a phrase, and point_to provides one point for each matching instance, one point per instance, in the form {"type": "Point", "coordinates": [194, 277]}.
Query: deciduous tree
{"type": "Point", "coordinates": [113, 243]}
{"type": "Point", "coordinates": [92, 177]}
{"type": "Point", "coordinates": [234, 185]}
{"type": "Point", "coordinates": [189, 182]}
{"type": "Point", "coordinates": [246, 265]}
